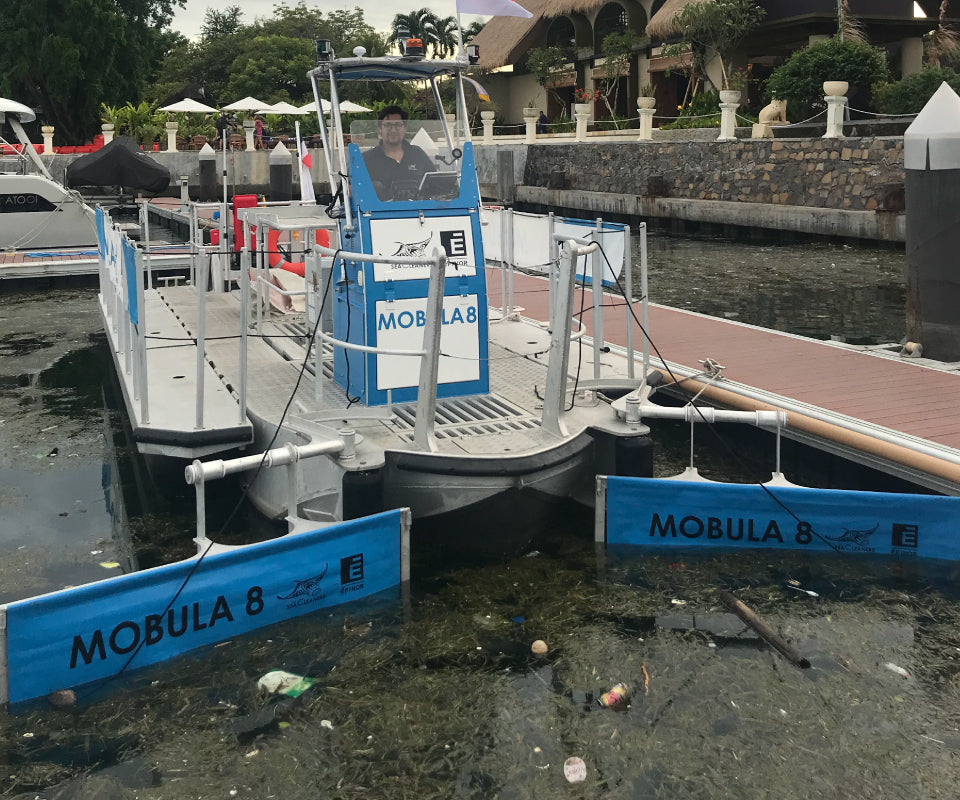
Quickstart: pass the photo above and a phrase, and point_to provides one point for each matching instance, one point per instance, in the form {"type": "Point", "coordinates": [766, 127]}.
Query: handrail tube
{"type": "Point", "coordinates": [628, 283]}
{"type": "Point", "coordinates": [142, 345]}
{"type": "Point", "coordinates": [709, 414]}
{"type": "Point", "coordinates": [244, 317]}
{"type": "Point", "coordinates": [365, 348]}
{"type": "Point", "coordinates": [430, 362]}
{"type": "Point", "coordinates": [203, 471]}
{"type": "Point", "coordinates": [201, 287]}
{"type": "Point", "coordinates": [644, 303]}
{"type": "Point", "coordinates": [565, 237]}
{"type": "Point", "coordinates": [555, 395]}
{"type": "Point", "coordinates": [596, 278]}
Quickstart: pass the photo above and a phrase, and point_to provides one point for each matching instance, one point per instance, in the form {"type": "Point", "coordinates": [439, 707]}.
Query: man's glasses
{"type": "Point", "coordinates": [394, 126]}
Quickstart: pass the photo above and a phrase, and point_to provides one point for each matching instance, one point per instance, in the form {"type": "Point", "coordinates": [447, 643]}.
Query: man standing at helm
{"type": "Point", "coordinates": [395, 166]}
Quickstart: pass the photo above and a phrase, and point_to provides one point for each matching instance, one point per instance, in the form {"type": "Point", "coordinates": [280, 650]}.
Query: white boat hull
{"type": "Point", "coordinates": [37, 213]}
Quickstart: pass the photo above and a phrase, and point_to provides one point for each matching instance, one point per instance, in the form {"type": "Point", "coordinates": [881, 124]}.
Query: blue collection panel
{"type": "Point", "coordinates": [87, 633]}
{"type": "Point", "coordinates": [656, 512]}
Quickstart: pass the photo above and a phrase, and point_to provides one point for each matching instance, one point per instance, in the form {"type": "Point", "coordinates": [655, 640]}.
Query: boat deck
{"type": "Point", "coordinates": [899, 415]}
{"type": "Point", "coordinates": [505, 422]}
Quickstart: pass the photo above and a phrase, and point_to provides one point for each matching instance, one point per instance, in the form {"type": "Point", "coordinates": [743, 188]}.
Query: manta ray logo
{"type": "Point", "coordinates": [856, 538]}
{"type": "Point", "coordinates": [413, 249]}
{"type": "Point", "coordinates": [310, 587]}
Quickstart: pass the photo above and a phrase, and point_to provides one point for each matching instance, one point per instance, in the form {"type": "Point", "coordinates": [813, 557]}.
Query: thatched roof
{"type": "Point", "coordinates": [504, 40]}
{"type": "Point", "coordinates": [663, 24]}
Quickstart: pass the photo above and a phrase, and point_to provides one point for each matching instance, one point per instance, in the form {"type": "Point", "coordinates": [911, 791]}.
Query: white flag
{"type": "Point", "coordinates": [305, 162]}
{"type": "Point", "coordinates": [496, 8]}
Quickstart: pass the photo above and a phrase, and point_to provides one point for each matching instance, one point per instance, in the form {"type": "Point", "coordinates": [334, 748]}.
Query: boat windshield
{"type": "Point", "coordinates": [428, 169]}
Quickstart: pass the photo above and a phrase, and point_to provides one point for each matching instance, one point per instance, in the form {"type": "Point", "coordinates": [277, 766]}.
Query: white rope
{"type": "Point", "coordinates": [875, 114]}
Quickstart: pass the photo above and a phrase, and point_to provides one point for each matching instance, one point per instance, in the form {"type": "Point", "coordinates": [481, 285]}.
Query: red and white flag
{"type": "Point", "coordinates": [305, 162]}
{"type": "Point", "coordinates": [493, 8]}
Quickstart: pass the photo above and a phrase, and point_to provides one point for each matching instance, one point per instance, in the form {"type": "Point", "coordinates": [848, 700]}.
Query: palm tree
{"type": "Point", "coordinates": [472, 30]}
{"type": "Point", "coordinates": [446, 43]}
{"type": "Point", "coordinates": [420, 24]}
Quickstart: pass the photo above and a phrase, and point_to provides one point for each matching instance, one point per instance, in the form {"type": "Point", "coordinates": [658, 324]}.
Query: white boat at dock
{"type": "Point", "coordinates": [36, 212]}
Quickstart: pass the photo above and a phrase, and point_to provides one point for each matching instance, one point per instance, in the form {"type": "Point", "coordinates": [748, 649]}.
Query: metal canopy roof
{"type": "Point", "coordinates": [388, 68]}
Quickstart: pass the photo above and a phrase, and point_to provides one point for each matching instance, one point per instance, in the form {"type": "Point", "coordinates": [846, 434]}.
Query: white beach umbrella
{"type": "Point", "coordinates": [283, 107]}
{"type": "Point", "coordinates": [346, 107]}
{"type": "Point", "coordinates": [188, 106]}
{"type": "Point", "coordinates": [311, 108]}
{"type": "Point", "coordinates": [247, 104]}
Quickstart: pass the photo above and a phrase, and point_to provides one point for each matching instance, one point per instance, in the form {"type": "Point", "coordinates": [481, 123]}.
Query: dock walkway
{"type": "Point", "coordinates": [870, 405]}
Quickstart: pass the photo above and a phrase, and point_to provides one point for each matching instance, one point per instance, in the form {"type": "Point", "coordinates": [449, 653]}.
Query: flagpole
{"type": "Point", "coordinates": [460, 50]}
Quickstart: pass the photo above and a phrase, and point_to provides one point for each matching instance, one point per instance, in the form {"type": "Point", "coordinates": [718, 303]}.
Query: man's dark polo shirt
{"type": "Point", "coordinates": [405, 174]}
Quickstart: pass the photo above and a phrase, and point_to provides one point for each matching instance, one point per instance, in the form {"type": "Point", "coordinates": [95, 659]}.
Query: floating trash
{"type": "Point", "coordinates": [895, 669]}
{"type": "Point", "coordinates": [615, 697]}
{"type": "Point", "coordinates": [539, 647]}
{"type": "Point", "coordinates": [278, 681]}
{"type": "Point", "coordinates": [575, 770]}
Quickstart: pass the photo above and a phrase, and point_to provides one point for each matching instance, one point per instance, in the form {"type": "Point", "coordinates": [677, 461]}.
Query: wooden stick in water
{"type": "Point", "coordinates": [763, 630]}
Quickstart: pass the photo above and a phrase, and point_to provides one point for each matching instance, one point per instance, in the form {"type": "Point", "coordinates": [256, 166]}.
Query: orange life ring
{"type": "Point", "coordinates": [276, 259]}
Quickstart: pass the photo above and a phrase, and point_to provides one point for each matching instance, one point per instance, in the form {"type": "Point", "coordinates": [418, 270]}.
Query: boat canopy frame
{"type": "Point", "coordinates": [381, 69]}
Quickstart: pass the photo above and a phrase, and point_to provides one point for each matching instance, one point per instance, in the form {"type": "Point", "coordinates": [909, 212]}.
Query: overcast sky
{"type": "Point", "coordinates": [189, 20]}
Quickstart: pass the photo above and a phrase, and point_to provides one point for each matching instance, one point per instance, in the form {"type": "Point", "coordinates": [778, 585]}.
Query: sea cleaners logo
{"type": "Point", "coordinates": [306, 591]}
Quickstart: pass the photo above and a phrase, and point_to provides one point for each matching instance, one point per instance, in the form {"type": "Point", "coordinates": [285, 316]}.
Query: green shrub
{"type": "Point", "coordinates": [909, 95]}
{"type": "Point", "coordinates": [799, 80]}
{"type": "Point", "coordinates": [703, 111]}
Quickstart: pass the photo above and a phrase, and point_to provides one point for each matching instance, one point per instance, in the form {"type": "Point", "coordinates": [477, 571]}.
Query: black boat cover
{"type": "Point", "coordinates": [120, 163]}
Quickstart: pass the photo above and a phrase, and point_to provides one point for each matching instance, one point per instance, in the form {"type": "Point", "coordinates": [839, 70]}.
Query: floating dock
{"type": "Point", "coordinates": [870, 405]}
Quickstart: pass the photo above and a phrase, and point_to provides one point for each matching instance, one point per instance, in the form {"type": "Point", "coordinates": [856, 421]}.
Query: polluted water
{"type": "Point", "coordinates": [441, 693]}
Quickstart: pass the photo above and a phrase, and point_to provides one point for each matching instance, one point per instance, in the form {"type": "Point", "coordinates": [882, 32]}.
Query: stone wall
{"type": "Point", "coordinates": [853, 174]}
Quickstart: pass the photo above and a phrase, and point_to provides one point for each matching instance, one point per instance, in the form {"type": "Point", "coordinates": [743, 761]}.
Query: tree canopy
{"type": "Point", "coordinates": [49, 60]}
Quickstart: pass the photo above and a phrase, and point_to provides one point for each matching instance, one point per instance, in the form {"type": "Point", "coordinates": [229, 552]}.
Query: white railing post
{"type": "Point", "coordinates": [430, 362]}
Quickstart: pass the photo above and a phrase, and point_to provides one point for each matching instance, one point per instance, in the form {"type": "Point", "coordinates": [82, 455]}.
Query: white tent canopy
{"type": "Point", "coordinates": [311, 108]}
{"type": "Point", "coordinates": [346, 107]}
{"type": "Point", "coordinates": [283, 107]}
{"type": "Point", "coordinates": [247, 104]}
{"type": "Point", "coordinates": [188, 106]}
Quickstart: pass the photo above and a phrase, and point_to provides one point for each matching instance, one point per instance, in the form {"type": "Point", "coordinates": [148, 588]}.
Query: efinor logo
{"type": "Point", "coordinates": [351, 568]}
{"type": "Point", "coordinates": [310, 587]}
{"type": "Point", "coordinates": [906, 535]}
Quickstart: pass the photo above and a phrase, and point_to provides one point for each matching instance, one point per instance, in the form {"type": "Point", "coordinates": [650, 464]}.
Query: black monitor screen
{"type": "Point", "coordinates": [439, 184]}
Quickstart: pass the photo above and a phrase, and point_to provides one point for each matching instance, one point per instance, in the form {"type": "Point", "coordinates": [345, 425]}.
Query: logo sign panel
{"type": "Point", "coordinates": [400, 327]}
{"type": "Point", "coordinates": [666, 513]}
{"type": "Point", "coordinates": [91, 632]}
{"type": "Point", "coordinates": [418, 238]}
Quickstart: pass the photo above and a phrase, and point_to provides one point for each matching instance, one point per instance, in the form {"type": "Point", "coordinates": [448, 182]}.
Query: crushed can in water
{"type": "Point", "coordinates": [615, 697]}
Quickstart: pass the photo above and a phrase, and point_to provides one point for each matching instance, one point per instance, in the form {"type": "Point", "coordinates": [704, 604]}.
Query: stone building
{"type": "Point", "coordinates": [578, 28]}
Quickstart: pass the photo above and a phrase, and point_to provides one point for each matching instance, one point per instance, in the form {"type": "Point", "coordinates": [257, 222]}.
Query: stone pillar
{"type": "Point", "coordinates": [581, 113]}
{"type": "Point", "coordinates": [646, 106]}
{"type": "Point", "coordinates": [171, 136]}
{"type": "Point", "coordinates": [47, 131]}
{"type": "Point", "coordinates": [248, 125]}
{"type": "Point", "coordinates": [281, 173]}
{"type": "Point", "coordinates": [487, 117]}
{"type": "Point", "coordinates": [530, 116]}
{"type": "Point", "coordinates": [729, 103]}
{"type": "Point", "coordinates": [506, 184]}
{"type": "Point", "coordinates": [931, 160]}
{"type": "Point", "coordinates": [911, 55]}
{"type": "Point", "coordinates": [834, 93]}
{"type": "Point", "coordinates": [107, 128]}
